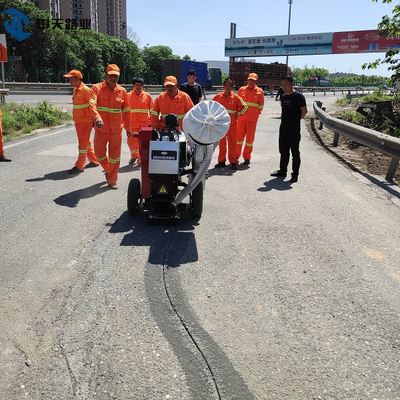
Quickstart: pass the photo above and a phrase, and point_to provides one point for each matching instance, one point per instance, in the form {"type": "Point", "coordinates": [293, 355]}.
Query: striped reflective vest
{"type": "Point", "coordinates": [111, 106]}
{"type": "Point", "coordinates": [233, 104]}
{"type": "Point", "coordinates": [255, 102]}
{"type": "Point", "coordinates": [141, 107]}
{"type": "Point", "coordinates": [164, 105]}
{"type": "Point", "coordinates": [80, 104]}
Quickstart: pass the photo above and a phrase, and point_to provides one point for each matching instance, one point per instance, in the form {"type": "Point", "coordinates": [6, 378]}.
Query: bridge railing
{"type": "Point", "coordinates": [379, 141]}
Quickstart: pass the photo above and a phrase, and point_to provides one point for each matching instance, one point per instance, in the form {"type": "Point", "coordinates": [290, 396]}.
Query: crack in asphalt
{"type": "Point", "coordinates": [208, 370]}
{"type": "Point", "coordinates": [165, 267]}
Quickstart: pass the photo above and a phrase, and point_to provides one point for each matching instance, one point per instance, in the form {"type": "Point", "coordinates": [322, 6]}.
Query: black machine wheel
{"type": "Point", "coordinates": [134, 194]}
{"type": "Point", "coordinates": [197, 200]}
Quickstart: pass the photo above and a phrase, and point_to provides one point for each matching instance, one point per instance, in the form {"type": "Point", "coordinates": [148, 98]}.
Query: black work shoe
{"type": "Point", "coordinates": [132, 160]}
{"type": "Point", "coordinates": [234, 166]}
{"type": "Point", "coordinates": [220, 164]}
{"type": "Point", "coordinates": [3, 158]}
{"type": "Point", "coordinates": [246, 162]}
{"type": "Point", "coordinates": [92, 165]}
{"type": "Point", "coordinates": [75, 171]}
{"type": "Point", "coordinates": [294, 179]}
{"type": "Point", "coordinates": [279, 173]}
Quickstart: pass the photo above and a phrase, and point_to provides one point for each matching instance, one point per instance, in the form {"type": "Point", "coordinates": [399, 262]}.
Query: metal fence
{"type": "Point", "coordinates": [379, 141]}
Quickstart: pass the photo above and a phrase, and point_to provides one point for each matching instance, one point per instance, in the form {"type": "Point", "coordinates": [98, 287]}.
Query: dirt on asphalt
{"type": "Point", "coordinates": [354, 155]}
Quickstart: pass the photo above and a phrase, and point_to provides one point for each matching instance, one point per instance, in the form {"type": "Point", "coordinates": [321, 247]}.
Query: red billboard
{"type": "Point", "coordinates": [363, 42]}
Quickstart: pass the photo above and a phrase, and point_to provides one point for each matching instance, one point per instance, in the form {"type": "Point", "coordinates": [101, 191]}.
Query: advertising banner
{"type": "Point", "coordinates": [283, 45]}
{"type": "Point", "coordinates": [363, 42]}
{"type": "Point", "coordinates": [311, 44]}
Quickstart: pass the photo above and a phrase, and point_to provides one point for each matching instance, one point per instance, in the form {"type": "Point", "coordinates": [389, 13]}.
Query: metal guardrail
{"type": "Point", "coordinates": [3, 94]}
{"type": "Point", "coordinates": [379, 141]}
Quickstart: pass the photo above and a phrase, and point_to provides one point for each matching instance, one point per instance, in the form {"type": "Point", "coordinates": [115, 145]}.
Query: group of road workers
{"type": "Point", "coordinates": [108, 108]}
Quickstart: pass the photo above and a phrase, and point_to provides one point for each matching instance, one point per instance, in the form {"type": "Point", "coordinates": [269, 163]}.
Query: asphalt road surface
{"type": "Point", "coordinates": [279, 291]}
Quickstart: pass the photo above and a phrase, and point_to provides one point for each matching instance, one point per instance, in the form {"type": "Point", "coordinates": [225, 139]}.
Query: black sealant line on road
{"type": "Point", "coordinates": [212, 373]}
{"type": "Point", "coordinates": [165, 267]}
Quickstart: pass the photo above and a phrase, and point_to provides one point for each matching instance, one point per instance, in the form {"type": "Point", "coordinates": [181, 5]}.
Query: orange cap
{"type": "Point", "coordinates": [113, 69]}
{"type": "Point", "coordinates": [253, 76]}
{"type": "Point", "coordinates": [170, 80]}
{"type": "Point", "coordinates": [74, 72]}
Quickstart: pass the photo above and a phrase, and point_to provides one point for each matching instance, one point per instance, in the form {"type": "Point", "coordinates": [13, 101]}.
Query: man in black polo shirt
{"type": "Point", "coordinates": [192, 88]}
{"type": "Point", "coordinates": [294, 108]}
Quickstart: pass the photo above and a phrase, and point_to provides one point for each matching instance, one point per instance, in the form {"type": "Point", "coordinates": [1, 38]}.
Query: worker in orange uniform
{"type": "Point", "coordinates": [253, 96]}
{"type": "Point", "coordinates": [3, 158]}
{"type": "Point", "coordinates": [83, 122]}
{"type": "Point", "coordinates": [235, 107]}
{"type": "Point", "coordinates": [109, 105]}
{"type": "Point", "coordinates": [141, 104]}
{"type": "Point", "coordinates": [171, 101]}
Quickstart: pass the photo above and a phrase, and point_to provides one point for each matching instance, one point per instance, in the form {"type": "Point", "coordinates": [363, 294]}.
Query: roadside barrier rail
{"type": "Point", "coordinates": [379, 141]}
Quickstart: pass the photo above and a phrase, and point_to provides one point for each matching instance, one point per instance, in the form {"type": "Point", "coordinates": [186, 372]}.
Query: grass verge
{"type": "Point", "coordinates": [20, 119]}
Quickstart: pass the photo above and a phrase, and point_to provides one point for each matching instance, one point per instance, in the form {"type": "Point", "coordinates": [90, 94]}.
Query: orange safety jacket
{"type": "Point", "coordinates": [255, 102]}
{"type": "Point", "coordinates": [80, 101]}
{"type": "Point", "coordinates": [164, 105]}
{"type": "Point", "coordinates": [141, 107]}
{"type": "Point", "coordinates": [111, 106]}
{"type": "Point", "coordinates": [233, 104]}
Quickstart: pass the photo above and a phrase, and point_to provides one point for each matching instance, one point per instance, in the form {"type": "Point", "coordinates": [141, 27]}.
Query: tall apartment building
{"type": "Point", "coordinates": [107, 16]}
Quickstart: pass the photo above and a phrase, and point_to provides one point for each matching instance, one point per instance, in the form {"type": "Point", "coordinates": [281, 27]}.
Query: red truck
{"type": "Point", "coordinates": [269, 75]}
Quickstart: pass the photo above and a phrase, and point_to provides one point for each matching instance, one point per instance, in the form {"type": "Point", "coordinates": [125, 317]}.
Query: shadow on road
{"type": "Point", "coordinates": [170, 245]}
{"type": "Point", "coordinates": [72, 199]}
{"type": "Point", "coordinates": [207, 367]}
{"type": "Point", "coordinates": [277, 184]}
{"type": "Point", "coordinates": [53, 176]}
{"type": "Point", "coordinates": [128, 168]}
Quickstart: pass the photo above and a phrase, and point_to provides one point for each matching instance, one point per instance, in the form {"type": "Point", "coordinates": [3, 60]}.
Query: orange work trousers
{"type": "Point", "coordinates": [133, 144]}
{"type": "Point", "coordinates": [110, 163]}
{"type": "Point", "coordinates": [229, 139]}
{"type": "Point", "coordinates": [1, 138]}
{"type": "Point", "coordinates": [245, 129]}
{"type": "Point", "coordinates": [83, 130]}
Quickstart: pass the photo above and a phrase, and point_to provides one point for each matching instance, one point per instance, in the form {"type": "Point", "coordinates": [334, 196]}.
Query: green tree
{"type": "Point", "coordinates": [154, 57]}
{"type": "Point", "coordinates": [303, 74]}
{"type": "Point", "coordinates": [387, 27]}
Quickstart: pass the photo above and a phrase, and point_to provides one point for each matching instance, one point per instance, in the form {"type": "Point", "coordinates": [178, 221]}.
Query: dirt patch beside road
{"type": "Point", "coordinates": [351, 153]}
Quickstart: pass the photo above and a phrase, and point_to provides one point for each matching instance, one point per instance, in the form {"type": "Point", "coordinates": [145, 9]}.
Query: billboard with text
{"type": "Point", "coordinates": [310, 44]}
{"type": "Point", "coordinates": [363, 42]}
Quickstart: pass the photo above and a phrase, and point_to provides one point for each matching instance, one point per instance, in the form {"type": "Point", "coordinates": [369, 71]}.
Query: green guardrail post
{"type": "Point", "coordinates": [37, 75]}
{"type": "Point", "coordinates": [48, 76]}
{"type": "Point", "coordinates": [88, 77]}
{"type": "Point", "coordinates": [24, 75]}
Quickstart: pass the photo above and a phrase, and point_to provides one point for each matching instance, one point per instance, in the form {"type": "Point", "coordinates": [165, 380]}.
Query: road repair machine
{"type": "Point", "coordinates": [174, 163]}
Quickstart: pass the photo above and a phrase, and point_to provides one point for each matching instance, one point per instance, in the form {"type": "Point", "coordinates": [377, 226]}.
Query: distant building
{"type": "Point", "coordinates": [106, 16]}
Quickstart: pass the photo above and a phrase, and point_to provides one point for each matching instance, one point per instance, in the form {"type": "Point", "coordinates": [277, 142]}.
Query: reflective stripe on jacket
{"type": "Point", "coordinates": [164, 105]}
{"type": "Point", "coordinates": [233, 104]}
{"type": "Point", "coordinates": [80, 101]}
{"type": "Point", "coordinates": [141, 107]}
{"type": "Point", "coordinates": [111, 106]}
{"type": "Point", "coordinates": [255, 102]}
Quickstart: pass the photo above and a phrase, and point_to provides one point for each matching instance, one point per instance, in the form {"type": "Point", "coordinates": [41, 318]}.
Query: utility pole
{"type": "Point", "coordinates": [288, 32]}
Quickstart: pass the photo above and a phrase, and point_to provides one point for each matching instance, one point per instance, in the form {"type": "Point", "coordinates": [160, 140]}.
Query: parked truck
{"type": "Point", "coordinates": [269, 75]}
{"type": "Point", "coordinates": [180, 68]}
{"type": "Point", "coordinates": [216, 76]}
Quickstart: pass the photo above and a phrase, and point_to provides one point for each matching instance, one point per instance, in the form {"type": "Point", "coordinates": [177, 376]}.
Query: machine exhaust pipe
{"type": "Point", "coordinates": [197, 178]}
{"type": "Point", "coordinates": [205, 125]}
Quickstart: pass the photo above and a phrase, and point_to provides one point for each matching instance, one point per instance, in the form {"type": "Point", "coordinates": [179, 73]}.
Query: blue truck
{"type": "Point", "coordinates": [180, 68]}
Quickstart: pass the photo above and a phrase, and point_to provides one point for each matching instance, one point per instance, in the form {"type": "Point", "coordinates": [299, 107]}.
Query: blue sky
{"type": "Point", "coordinates": [199, 29]}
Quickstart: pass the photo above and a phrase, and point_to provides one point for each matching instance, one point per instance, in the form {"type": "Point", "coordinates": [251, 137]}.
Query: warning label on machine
{"type": "Point", "coordinates": [163, 155]}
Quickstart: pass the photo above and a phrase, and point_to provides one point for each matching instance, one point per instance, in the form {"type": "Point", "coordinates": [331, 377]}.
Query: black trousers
{"type": "Point", "coordinates": [289, 142]}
